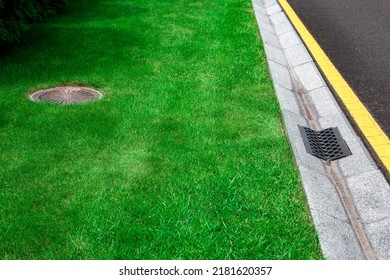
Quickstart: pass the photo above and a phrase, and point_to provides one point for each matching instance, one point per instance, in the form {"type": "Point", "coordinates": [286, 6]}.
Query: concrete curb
{"type": "Point", "coordinates": [349, 199]}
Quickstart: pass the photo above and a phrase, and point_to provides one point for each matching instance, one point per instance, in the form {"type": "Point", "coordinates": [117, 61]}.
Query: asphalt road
{"type": "Point", "coordinates": [356, 37]}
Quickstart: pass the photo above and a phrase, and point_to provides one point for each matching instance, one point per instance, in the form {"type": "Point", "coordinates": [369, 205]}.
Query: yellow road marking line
{"type": "Point", "coordinates": [371, 130]}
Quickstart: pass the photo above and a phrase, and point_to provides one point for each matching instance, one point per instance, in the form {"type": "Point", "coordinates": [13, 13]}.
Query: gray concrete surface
{"type": "Point", "coordinates": [349, 199]}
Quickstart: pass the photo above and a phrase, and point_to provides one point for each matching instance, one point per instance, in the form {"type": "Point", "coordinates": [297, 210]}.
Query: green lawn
{"type": "Point", "coordinates": [185, 156]}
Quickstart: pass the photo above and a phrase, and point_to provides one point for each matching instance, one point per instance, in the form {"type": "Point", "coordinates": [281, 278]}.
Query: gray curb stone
{"type": "Point", "coordinates": [292, 70]}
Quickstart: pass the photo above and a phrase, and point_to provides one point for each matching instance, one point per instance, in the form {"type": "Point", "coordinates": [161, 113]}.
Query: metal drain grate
{"type": "Point", "coordinates": [66, 95]}
{"type": "Point", "coordinates": [326, 144]}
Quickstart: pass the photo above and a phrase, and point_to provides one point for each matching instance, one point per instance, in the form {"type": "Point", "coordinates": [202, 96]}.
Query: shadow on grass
{"type": "Point", "coordinates": [81, 41]}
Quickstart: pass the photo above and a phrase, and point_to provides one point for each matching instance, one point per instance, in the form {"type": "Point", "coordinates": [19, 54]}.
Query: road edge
{"type": "Point", "coordinates": [349, 199]}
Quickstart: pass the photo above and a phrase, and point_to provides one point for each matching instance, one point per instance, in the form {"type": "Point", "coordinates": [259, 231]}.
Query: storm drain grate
{"type": "Point", "coordinates": [66, 95]}
{"type": "Point", "coordinates": [326, 144]}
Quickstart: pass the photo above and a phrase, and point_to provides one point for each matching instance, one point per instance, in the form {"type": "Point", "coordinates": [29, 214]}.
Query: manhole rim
{"type": "Point", "coordinates": [34, 96]}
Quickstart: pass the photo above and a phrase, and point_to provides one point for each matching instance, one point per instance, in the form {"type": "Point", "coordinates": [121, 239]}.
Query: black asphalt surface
{"type": "Point", "coordinates": [355, 34]}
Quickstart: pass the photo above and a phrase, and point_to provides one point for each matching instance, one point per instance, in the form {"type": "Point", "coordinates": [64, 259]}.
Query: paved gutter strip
{"type": "Point", "coordinates": [349, 199]}
{"type": "Point", "coordinates": [374, 136]}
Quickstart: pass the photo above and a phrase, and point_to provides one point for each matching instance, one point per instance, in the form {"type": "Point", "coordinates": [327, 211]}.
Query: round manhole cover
{"type": "Point", "coordinates": [66, 95]}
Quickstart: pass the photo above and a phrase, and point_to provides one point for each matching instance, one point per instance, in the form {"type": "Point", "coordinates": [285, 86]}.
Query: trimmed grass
{"type": "Point", "coordinates": [185, 156]}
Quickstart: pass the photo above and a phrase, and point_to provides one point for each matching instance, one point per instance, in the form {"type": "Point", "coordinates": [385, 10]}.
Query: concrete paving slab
{"type": "Point", "coordinates": [339, 120]}
{"type": "Point", "coordinates": [341, 246]}
{"type": "Point", "coordinates": [280, 75]}
{"type": "Point", "coordinates": [259, 7]}
{"type": "Point", "coordinates": [289, 39]}
{"type": "Point", "coordinates": [278, 19]}
{"type": "Point", "coordinates": [324, 103]}
{"type": "Point", "coordinates": [379, 233]}
{"type": "Point", "coordinates": [287, 100]}
{"type": "Point", "coordinates": [371, 195]}
{"type": "Point", "coordinates": [268, 27]}
{"type": "Point", "coordinates": [262, 19]}
{"type": "Point", "coordinates": [283, 28]}
{"type": "Point", "coordinates": [275, 54]}
{"type": "Point", "coordinates": [297, 55]}
{"type": "Point", "coordinates": [309, 76]}
{"type": "Point", "coordinates": [357, 163]}
{"type": "Point", "coordinates": [268, 3]}
{"type": "Point", "coordinates": [270, 38]}
{"type": "Point", "coordinates": [322, 195]}
{"type": "Point", "coordinates": [273, 9]}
